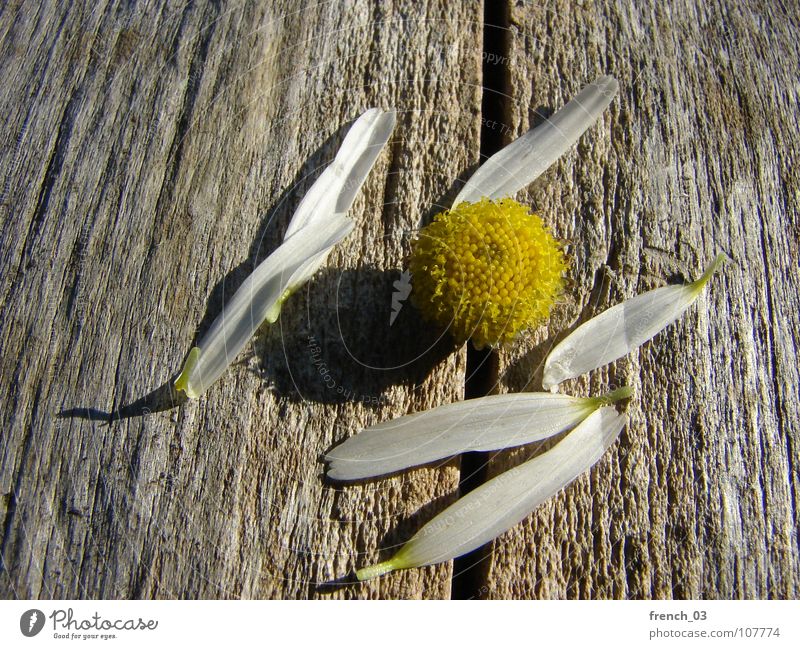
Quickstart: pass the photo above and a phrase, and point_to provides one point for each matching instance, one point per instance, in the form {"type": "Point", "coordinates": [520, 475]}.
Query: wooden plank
{"type": "Point", "coordinates": [697, 155]}
{"type": "Point", "coordinates": [153, 155]}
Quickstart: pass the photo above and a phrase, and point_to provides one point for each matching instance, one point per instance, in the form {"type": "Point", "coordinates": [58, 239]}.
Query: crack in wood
{"type": "Point", "coordinates": [482, 376]}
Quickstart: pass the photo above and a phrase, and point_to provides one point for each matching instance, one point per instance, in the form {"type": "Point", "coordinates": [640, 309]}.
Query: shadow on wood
{"type": "Point", "coordinates": [389, 545]}
{"type": "Point", "coordinates": [344, 342]}
{"type": "Point", "coordinates": [165, 397]}
{"type": "Point", "coordinates": [162, 398]}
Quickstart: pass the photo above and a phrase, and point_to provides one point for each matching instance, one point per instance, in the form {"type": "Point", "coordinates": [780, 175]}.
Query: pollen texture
{"type": "Point", "coordinates": [487, 270]}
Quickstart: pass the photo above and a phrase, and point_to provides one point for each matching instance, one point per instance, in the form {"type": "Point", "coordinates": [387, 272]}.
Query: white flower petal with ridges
{"type": "Point", "coordinates": [520, 163]}
{"type": "Point", "coordinates": [484, 424]}
{"type": "Point", "coordinates": [257, 300]}
{"type": "Point", "coordinates": [504, 501]}
{"type": "Point", "coordinates": [336, 188]}
{"type": "Point", "coordinates": [621, 329]}
{"type": "Point", "coordinates": [318, 224]}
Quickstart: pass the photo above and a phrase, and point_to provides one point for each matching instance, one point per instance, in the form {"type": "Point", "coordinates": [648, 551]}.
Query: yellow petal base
{"type": "Point", "coordinates": [700, 284]}
{"type": "Point", "coordinates": [612, 397]}
{"type": "Point", "coordinates": [370, 572]}
{"type": "Point", "coordinates": [182, 382]}
{"type": "Point", "coordinates": [274, 313]}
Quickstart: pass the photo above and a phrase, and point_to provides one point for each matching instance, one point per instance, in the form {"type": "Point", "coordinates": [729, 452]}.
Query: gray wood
{"type": "Point", "coordinates": [153, 155]}
{"type": "Point", "coordinates": [697, 155]}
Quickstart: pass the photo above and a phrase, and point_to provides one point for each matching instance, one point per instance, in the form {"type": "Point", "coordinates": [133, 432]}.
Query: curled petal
{"type": "Point", "coordinates": [318, 224]}
{"type": "Point", "coordinates": [520, 163]}
{"type": "Point", "coordinates": [336, 188]}
{"type": "Point", "coordinates": [621, 329]}
{"type": "Point", "coordinates": [504, 501]}
{"type": "Point", "coordinates": [484, 424]}
{"type": "Point", "coordinates": [257, 300]}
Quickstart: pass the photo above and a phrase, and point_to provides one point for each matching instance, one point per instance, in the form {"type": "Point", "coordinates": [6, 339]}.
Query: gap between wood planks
{"type": "Point", "coordinates": [469, 571]}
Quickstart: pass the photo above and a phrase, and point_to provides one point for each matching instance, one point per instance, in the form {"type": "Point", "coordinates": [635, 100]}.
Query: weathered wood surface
{"type": "Point", "coordinates": [152, 155]}
{"type": "Point", "coordinates": [155, 155]}
{"type": "Point", "coordinates": [697, 156]}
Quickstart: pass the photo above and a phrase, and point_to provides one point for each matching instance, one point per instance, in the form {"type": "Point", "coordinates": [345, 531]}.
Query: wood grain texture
{"type": "Point", "coordinates": [154, 154]}
{"type": "Point", "coordinates": [696, 156]}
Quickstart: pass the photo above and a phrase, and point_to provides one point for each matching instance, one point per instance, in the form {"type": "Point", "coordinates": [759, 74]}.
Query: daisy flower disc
{"type": "Point", "coordinates": [488, 270]}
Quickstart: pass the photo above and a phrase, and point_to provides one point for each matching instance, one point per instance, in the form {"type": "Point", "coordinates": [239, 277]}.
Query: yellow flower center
{"type": "Point", "coordinates": [488, 270]}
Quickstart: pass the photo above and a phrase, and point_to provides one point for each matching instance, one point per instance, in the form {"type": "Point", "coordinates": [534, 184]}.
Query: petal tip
{"type": "Point", "coordinates": [550, 381]}
{"type": "Point", "coordinates": [712, 268]}
{"type": "Point", "coordinates": [391, 115]}
{"type": "Point", "coordinates": [608, 83]}
{"type": "Point", "coordinates": [333, 473]}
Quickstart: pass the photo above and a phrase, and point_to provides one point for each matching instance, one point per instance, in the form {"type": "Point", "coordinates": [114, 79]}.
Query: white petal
{"type": "Point", "coordinates": [305, 271]}
{"type": "Point", "coordinates": [504, 501]}
{"type": "Point", "coordinates": [484, 424]}
{"type": "Point", "coordinates": [621, 329]}
{"type": "Point", "coordinates": [253, 302]}
{"type": "Point", "coordinates": [335, 190]}
{"type": "Point", "coordinates": [318, 224]}
{"type": "Point", "coordinates": [526, 158]}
